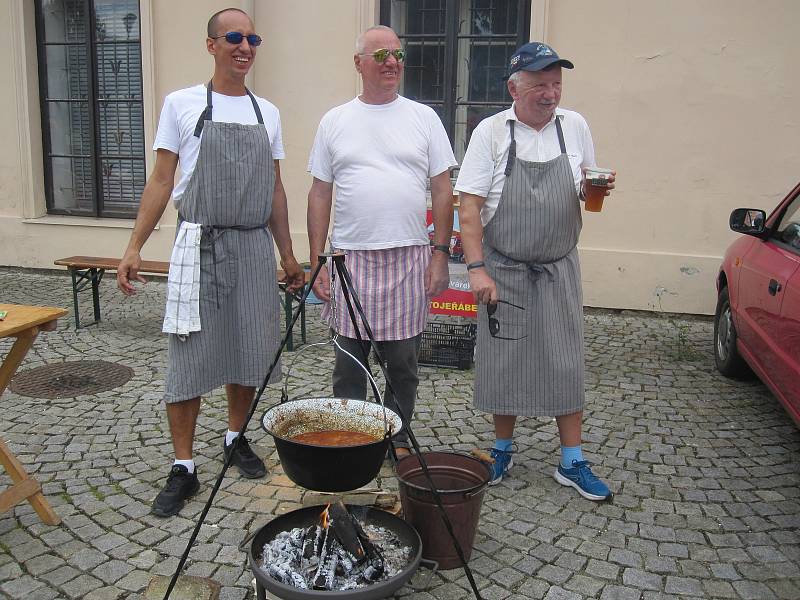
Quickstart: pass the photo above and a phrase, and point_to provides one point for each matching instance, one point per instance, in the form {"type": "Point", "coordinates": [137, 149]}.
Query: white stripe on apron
{"type": "Point", "coordinates": [230, 194]}
{"type": "Point", "coordinates": [533, 365]}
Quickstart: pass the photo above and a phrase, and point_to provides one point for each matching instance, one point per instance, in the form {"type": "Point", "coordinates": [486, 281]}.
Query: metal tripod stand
{"type": "Point", "coordinates": [353, 306]}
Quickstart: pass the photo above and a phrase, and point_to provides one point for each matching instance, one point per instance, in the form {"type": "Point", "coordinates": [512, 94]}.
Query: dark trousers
{"type": "Point", "coordinates": [349, 381]}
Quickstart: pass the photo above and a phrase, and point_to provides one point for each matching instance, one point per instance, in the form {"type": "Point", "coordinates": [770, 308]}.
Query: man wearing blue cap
{"type": "Point", "coordinates": [521, 186]}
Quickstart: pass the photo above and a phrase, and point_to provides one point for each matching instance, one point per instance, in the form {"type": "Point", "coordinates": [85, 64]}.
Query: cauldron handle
{"type": "Point", "coordinates": [284, 391]}
{"type": "Point", "coordinates": [334, 342]}
{"type": "Point", "coordinates": [375, 389]}
{"type": "Point", "coordinates": [434, 567]}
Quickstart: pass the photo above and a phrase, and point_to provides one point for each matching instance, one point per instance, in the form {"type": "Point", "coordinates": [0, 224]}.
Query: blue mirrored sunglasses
{"type": "Point", "coordinates": [235, 38]}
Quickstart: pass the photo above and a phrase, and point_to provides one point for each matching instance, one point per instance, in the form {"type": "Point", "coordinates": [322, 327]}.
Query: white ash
{"type": "Point", "coordinates": [283, 560]}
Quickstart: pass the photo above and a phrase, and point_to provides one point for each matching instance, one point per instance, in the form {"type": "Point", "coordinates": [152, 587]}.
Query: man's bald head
{"type": "Point", "coordinates": [213, 22]}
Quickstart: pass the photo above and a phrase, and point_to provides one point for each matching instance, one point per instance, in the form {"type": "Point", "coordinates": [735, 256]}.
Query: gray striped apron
{"type": "Point", "coordinates": [230, 194]}
{"type": "Point", "coordinates": [534, 364]}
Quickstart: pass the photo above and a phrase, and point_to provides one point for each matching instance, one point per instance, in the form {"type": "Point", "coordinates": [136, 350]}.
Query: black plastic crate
{"type": "Point", "coordinates": [448, 345]}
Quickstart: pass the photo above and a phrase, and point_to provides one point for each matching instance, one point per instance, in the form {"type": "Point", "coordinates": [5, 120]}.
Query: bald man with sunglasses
{"type": "Point", "coordinates": [224, 316]}
{"type": "Point", "coordinates": [381, 151]}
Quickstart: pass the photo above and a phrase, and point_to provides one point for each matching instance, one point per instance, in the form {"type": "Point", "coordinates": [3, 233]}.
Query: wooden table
{"type": "Point", "coordinates": [23, 323]}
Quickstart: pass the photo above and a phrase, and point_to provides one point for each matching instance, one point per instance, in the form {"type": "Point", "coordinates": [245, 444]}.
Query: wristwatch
{"type": "Point", "coordinates": [442, 248]}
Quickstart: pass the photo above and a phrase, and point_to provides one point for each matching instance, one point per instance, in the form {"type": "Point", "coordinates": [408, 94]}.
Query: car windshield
{"type": "Point", "coordinates": [788, 230]}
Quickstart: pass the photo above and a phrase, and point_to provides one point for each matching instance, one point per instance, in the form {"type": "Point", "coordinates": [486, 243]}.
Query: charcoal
{"type": "Point", "coordinates": [298, 580]}
{"type": "Point", "coordinates": [309, 537]}
{"type": "Point", "coordinates": [296, 537]}
{"type": "Point", "coordinates": [278, 573]}
{"type": "Point", "coordinates": [323, 580]}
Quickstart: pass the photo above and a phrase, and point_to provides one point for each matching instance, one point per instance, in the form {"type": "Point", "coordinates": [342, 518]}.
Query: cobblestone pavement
{"type": "Point", "coordinates": [705, 471]}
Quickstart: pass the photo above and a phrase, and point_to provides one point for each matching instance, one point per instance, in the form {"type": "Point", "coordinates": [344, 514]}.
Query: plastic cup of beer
{"type": "Point", "coordinates": [595, 188]}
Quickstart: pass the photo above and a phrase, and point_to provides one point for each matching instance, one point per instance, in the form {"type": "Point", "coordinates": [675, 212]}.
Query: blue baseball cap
{"type": "Point", "coordinates": [535, 56]}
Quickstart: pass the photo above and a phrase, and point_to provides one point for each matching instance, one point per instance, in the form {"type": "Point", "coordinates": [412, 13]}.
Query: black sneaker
{"type": "Point", "coordinates": [249, 465]}
{"type": "Point", "coordinates": [180, 485]}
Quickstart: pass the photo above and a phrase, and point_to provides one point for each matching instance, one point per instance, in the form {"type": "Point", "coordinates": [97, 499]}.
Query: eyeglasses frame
{"type": "Point", "coordinates": [389, 53]}
{"type": "Point", "coordinates": [244, 37]}
{"type": "Point", "coordinates": [494, 324]}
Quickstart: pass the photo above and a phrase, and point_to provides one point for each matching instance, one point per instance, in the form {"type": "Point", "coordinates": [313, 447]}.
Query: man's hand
{"type": "Point", "coordinates": [295, 278]}
{"type": "Point", "coordinates": [611, 179]}
{"type": "Point", "coordinates": [437, 275]}
{"type": "Point", "coordinates": [322, 285]}
{"type": "Point", "coordinates": [129, 271]}
{"type": "Point", "coordinates": [482, 286]}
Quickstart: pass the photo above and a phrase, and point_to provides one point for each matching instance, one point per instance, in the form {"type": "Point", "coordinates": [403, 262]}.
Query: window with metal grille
{"type": "Point", "coordinates": [90, 81]}
{"type": "Point", "coordinates": [457, 53]}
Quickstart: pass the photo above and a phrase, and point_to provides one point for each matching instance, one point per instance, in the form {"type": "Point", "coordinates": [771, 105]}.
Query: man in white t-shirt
{"type": "Point", "coordinates": [381, 150]}
{"type": "Point", "coordinates": [222, 303]}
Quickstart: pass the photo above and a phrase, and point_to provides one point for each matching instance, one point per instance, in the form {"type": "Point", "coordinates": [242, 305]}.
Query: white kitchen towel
{"type": "Point", "coordinates": [182, 314]}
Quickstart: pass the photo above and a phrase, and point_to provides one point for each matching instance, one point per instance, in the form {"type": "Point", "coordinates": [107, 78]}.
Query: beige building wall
{"type": "Point", "coordinates": [691, 102]}
{"type": "Point", "coordinates": [695, 105]}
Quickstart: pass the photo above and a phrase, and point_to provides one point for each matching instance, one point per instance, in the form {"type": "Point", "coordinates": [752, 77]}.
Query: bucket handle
{"type": "Point", "coordinates": [434, 567]}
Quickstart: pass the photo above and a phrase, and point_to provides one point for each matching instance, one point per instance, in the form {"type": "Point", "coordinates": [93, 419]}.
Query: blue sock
{"type": "Point", "coordinates": [504, 444]}
{"type": "Point", "coordinates": [570, 453]}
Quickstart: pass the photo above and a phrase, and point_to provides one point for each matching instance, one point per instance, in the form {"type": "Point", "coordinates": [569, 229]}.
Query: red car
{"type": "Point", "coordinates": [757, 321]}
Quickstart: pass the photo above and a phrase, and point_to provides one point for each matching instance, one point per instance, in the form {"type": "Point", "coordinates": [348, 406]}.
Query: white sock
{"type": "Point", "coordinates": [230, 436]}
{"type": "Point", "coordinates": [189, 464]}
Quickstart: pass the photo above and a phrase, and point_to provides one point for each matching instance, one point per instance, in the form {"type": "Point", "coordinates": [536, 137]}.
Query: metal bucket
{"type": "Point", "coordinates": [461, 482]}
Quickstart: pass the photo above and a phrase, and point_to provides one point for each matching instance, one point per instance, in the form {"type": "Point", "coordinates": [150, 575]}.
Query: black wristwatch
{"type": "Point", "coordinates": [442, 248]}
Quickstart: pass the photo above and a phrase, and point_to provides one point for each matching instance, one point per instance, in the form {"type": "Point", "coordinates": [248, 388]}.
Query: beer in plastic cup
{"type": "Point", "coordinates": [595, 188]}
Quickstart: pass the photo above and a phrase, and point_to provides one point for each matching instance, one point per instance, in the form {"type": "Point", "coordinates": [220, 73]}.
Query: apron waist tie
{"type": "Point", "coordinates": [535, 270]}
{"type": "Point", "coordinates": [214, 232]}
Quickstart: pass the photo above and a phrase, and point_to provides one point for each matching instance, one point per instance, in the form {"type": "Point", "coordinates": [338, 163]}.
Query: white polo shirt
{"type": "Point", "coordinates": [483, 169]}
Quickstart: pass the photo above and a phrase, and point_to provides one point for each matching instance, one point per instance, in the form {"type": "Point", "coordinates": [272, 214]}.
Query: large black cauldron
{"type": "Point", "coordinates": [330, 468]}
{"type": "Point", "coordinates": [309, 515]}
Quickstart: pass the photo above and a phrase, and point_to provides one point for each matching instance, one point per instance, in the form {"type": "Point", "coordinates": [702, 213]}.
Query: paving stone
{"type": "Point", "coordinates": [20, 587]}
{"type": "Point", "coordinates": [683, 586]}
{"type": "Point", "coordinates": [641, 579]}
{"type": "Point", "coordinates": [616, 592]}
{"type": "Point", "coordinates": [753, 590]}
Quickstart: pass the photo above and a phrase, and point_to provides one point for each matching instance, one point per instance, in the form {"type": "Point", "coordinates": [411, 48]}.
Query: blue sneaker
{"type": "Point", "coordinates": [580, 477]}
{"type": "Point", "coordinates": [502, 463]}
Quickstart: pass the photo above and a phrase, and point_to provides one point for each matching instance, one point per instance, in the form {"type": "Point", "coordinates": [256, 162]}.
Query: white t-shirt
{"type": "Point", "coordinates": [380, 158]}
{"type": "Point", "coordinates": [179, 117]}
{"type": "Point", "coordinates": [483, 170]}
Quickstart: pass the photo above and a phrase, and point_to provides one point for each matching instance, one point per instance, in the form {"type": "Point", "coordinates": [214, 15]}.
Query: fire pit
{"type": "Point", "coordinates": [278, 531]}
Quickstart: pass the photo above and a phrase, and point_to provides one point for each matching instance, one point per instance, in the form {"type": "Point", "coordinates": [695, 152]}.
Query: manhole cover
{"type": "Point", "coordinates": [70, 379]}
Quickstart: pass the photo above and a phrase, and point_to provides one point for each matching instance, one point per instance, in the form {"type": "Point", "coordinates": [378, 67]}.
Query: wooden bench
{"type": "Point", "coordinates": [88, 271]}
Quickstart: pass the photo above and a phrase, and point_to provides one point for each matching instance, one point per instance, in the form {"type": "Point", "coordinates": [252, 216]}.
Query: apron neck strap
{"type": "Point", "coordinates": [255, 107]}
{"type": "Point", "coordinates": [512, 150]}
{"type": "Point", "coordinates": [206, 115]}
{"type": "Point", "coordinates": [560, 136]}
{"type": "Point", "coordinates": [512, 147]}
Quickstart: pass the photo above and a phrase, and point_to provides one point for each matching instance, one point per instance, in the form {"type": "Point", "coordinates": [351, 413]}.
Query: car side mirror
{"type": "Point", "coordinates": [749, 221]}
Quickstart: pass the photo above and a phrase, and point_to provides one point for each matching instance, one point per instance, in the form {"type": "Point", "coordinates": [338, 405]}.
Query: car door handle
{"type": "Point", "coordinates": [774, 287]}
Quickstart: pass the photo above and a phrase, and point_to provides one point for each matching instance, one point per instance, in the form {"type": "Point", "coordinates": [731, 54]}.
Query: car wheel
{"type": "Point", "coordinates": [729, 362]}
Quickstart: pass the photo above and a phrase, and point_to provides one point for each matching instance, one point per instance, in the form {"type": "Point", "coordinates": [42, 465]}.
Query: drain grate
{"type": "Point", "coordinates": [70, 379]}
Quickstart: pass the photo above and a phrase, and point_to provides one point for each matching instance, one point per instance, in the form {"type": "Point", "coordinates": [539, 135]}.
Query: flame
{"type": "Point", "coordinates": [324, 519]}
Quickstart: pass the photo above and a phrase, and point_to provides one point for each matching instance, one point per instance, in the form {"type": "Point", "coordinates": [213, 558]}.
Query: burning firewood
{"type": "Point", "coordinates": [345, 528]}
{"type": "Point", "coordinates": [326, 571]}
